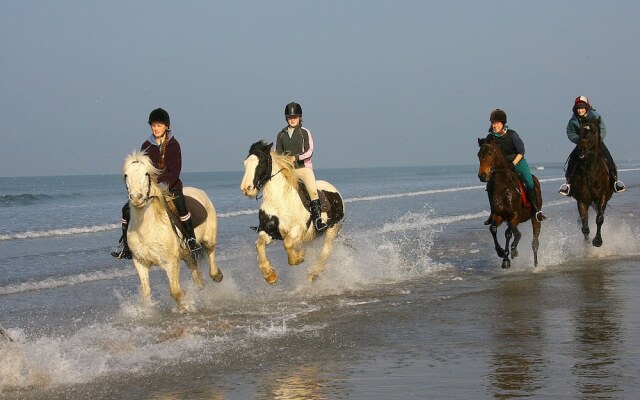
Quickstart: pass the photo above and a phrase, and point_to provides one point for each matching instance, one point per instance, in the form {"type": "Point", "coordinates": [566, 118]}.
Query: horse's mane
{"type": "Point", "coordinates": [288, 169]}
{"type": "Point", "coordinates": [142, 157]}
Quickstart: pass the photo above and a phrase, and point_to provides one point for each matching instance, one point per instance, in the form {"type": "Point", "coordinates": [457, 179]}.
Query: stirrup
{"type": "Point", "coordinates": [122, 252]}
{"type": "Point", "coordinates": [194, 245]}
{"type": "Point", "coordinates": [320, 225]}
{"type": "Point", "coordinates": [619, 186]}
{"type": "Point", "coordinates": [540, 216]}
{"type": "Point", "coordinates": [565, 189]}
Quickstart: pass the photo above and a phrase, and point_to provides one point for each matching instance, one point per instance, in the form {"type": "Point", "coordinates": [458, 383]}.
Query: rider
{"type": "Point", "coordinates": [582, 111]}
{"type": "Point", "coordinates": [296, 141]}
{"type": "Point", "coordinates": [513, 149]}
{"type": "Point", "coordinates": [164, 151]}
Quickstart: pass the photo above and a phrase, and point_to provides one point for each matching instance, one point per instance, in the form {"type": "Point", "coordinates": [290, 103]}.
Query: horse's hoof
{"type": "Point", "coordinates": [506, 263]}
{"type": "Point", "coordinates": [514, 253]}
{"type": "Point", "coordinates": [597, 241]}
{"type": "Point", "coordinates": [271, 278]}
{"type": "Point", "coordinates": [312, 278]}
{"type": "Point", "coordinates": [218, 277]}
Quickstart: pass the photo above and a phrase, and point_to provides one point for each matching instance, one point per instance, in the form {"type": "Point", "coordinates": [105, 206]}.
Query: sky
{"type": "Point", "coordinates": [381, 83]}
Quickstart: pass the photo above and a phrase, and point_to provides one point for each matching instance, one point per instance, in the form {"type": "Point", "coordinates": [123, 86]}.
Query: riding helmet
{"type": "Point", "coordinates": [583, 102]}
{"type": "Point", "coordinates": [498, 115]}
{"type": "Point", "coordinates": [292, 109]}
{"type": "Point", "coordinates": [159, 115]}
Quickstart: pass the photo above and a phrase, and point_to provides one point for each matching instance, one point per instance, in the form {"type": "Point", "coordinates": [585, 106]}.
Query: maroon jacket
{"type": "Point", "coordinates": [170, 175]}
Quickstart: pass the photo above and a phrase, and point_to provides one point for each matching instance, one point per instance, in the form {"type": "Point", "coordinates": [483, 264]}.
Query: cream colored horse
{"type": "Point", "coordinates": [152, 236]}
{"type": "Point", "coordinates": [283, 215]}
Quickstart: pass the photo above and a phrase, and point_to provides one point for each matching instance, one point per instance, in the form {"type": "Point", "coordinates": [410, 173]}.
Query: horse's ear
{"type": "Point", "coordinates": [481, 141]}
{"type": "Point", "coordinates": [270, 145]}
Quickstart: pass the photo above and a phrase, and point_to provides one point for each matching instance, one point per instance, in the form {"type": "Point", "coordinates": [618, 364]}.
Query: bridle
{"type": "Point", "coordinates": [148, 196]}
{"type": "Point", "coordinates": [266, 177]}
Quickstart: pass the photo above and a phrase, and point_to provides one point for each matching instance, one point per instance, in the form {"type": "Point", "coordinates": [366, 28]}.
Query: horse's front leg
{"type": "Point", "coordinates": [494, 233]}
{"type": "Point", "coordinates": [321, 263]}
{"type": "Point", "coordinates": [583, 210]}
{"type": "Point", "coordinates": [507, 235]}
{"type": "Point", "coordinates": [292, 244]}
{"type": "Point", "coordinates": [172, 269]}
{"type": "Point", "coordinates": [143, 274]}
{"type": "Point", "coordinates": [597, 239]}
{"type": "Point", "coordinates": [263, 262]}
{"type": "Point", "coordinates": [516, 239]}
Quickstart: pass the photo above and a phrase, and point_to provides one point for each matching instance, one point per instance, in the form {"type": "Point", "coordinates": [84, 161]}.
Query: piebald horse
{"type": "Point", "coordinates": [153, 236]}
{"type": "Point", "coordinates": [283, 214]}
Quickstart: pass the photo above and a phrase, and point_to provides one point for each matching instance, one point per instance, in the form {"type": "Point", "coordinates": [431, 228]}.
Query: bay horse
{"type": "Point", "coordinates": [153, 235]}
{"type": "Point", "coordinates": [283, 213]}
{"type": "Point", "coordinates": [506, 200]}
{"type": "Point", "coordinates": [590, 183]}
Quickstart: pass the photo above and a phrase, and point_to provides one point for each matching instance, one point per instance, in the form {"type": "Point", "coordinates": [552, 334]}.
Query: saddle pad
{"type": "Point", "coordinates": [523, 194]}
{"type": "Point", "coordinates": [197, 210]}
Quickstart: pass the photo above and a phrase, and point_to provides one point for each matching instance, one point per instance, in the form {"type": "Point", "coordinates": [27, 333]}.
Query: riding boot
{"type": "Point", "coordinates": [533, 198]}
{"type": "Point", "coordinates": [193, 244]}
{"type": "Point", "coordinates": [123, 250]}
{"type": "Point", "coordinates": [316, 216]}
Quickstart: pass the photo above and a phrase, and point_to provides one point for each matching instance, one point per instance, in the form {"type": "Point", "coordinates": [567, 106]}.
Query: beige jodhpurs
{"type": "Point", "coordinates": [306, 175]}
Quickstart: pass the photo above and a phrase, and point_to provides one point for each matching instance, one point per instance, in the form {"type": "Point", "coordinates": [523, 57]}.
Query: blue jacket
{"type": "Point", "coordinates": [573, 127]}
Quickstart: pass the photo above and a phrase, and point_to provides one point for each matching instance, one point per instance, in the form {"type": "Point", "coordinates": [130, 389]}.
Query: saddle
{"type": "Point", "coordinates": [329, 203]}
{"type": "Point", "coordinates": [197, 210]}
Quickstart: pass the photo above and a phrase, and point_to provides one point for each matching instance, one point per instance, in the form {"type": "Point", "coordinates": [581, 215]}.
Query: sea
{"type": "Point", "coordinates": [414, 303]}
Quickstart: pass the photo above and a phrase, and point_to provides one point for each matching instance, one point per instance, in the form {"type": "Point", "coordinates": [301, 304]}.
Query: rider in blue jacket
{"type": "Point", "coordinates": [582, 111]}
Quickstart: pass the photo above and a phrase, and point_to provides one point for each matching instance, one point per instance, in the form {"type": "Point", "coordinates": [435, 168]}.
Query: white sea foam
{"type": "Point", "coordinates": [51, 283]}
{"type": "Point", "coordinates": [58, 232]}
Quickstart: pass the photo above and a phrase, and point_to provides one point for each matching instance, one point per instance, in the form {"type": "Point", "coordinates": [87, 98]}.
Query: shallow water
{"type": "Point", "coordinates": [414, 303]}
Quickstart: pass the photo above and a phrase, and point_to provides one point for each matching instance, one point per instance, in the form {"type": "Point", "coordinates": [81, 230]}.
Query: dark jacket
{"type": "Point", "coordinates": [300, 145]}
{"type": "Point", "coordinates": [573, 127]}
{"type": "Point", "coordinates": [170, 175]}
{"type": "Point", "coordinates": [510, 143]}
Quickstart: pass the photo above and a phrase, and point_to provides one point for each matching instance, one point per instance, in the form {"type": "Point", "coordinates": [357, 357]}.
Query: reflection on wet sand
{"type": "Point", "coordinates": [517, 361]}
{"type": "Point", "coordinates": [300, 383]}
{"type": "Point", "coordinates": [597, 331]}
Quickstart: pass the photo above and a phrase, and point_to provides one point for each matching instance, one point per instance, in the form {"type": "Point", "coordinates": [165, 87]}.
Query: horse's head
{"type": "Point", "coordinates": [589, 137]}
{"type": "Point", "coordinates": [490, 157]}
{"type": "Point", "coordinates": [138, 172]}
{"type": "Point", "coordinates": [257, 168]}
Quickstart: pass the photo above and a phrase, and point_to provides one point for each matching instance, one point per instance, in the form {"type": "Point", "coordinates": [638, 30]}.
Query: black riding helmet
{"type": "Point", "coordinates": [292, 109]}
{"type": "Point", "coordinates": [498, 115]}
{"type": "Point", "coordinates": [159, 115]}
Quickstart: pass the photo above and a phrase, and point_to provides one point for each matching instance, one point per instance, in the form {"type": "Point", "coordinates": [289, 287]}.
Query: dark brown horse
{"type": "Point", "coordinates": [506, 200]}
{"type": "Point", "coordinates": [591, 184]}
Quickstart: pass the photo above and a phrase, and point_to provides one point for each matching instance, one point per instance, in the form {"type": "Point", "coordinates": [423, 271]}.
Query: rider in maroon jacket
{"type": "Point", "coordinates": [164, 151]}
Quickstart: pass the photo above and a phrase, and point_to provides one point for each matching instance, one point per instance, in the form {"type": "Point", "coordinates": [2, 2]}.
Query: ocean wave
{"type": "Point", "coordinates": [33, 198]}
{"type": "Point", "coordinates": [58, 232]}
{"type": "Point", "coordinates": [51, 283]}
{"type": "Point", "coordinates": [411, 194]}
